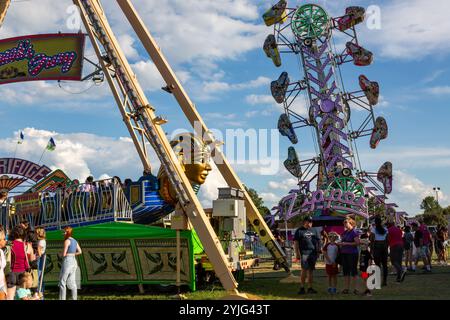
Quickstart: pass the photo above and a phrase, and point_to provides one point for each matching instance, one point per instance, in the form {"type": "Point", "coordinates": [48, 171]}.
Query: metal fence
{"type": "Point", "coordinates": [77, 205]}
{"type": "Point", "coordinates": [258, 248]}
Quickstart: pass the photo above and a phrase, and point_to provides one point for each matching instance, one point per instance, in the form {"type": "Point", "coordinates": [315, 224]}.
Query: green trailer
{"type": "Point", "coordinates": [127, 254]}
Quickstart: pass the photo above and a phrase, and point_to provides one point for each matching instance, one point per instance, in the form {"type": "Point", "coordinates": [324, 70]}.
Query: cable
{"type": "Point", "coordinates": [81, 92]}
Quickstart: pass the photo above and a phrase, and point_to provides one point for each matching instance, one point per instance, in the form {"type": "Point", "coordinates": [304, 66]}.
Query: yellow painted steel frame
{"type": "Point", "coordinates": [194, 117]}
{"type": "Point", "coordinates": [4, 4]}
{"type": "Point", "coordinates": [145, 117]}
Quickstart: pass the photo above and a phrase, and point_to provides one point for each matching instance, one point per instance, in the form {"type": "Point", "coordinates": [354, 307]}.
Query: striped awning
{"type": "Point", "coordinates": [8, 183]}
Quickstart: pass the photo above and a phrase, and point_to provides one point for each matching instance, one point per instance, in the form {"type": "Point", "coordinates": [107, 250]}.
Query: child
{"type": "Point", "coordinates": [25, 283]}
{"type": "Point", "coordinates": [365, 259]}
{"type": "Point", "coordinates": [330, 252]}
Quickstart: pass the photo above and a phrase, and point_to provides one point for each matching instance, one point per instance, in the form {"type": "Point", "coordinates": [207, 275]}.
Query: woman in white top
{"type": "Point", "coordinates": [42, 246]}
{"type": "Point", "coordinates": [2, 264]}
{"type": "Point", "coordinates": [379, 247]}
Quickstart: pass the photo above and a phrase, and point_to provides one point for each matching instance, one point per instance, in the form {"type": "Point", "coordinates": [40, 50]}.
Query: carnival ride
{"type": "Point", "coordinates": [333, 184]}
{"type": "Point", "coordinates": [173, 188]}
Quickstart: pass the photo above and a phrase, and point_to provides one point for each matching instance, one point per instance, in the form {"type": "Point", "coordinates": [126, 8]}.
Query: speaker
{"type": "Point", "coordinates": [346, 172]}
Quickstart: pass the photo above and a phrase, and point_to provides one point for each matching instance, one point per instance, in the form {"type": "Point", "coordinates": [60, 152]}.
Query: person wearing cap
{"type": "Point", "coordinates": [307, 249]}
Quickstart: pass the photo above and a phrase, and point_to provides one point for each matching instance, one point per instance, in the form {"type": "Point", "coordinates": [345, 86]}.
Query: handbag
{"type": "Point", "coordinates": [35, 275]}
{"type": "Point", "coordinates": [34, 272]}
{"type": "Point", "coordinates": [33, 264]}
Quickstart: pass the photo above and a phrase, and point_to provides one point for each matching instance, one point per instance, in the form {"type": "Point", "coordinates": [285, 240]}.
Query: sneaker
{"type": "Point", "coordinates": [302, 291]}
{"type": "Point", "coordinates": [368, 293]}
{"type": "Point", "coordinates": [345, 291]}
{"type": "Point", "coordinates": [330, 290]}
{"type": "Point", "coordinates": [311, 291]}
{"type": "Point", "coordinates": [333, 290]}
{"type": "Point", "coordinates": [356, 292]}
{"type": "Point", "coordinates": [402, 277]}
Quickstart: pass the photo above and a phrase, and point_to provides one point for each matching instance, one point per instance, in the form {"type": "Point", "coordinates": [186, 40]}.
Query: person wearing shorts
{"type": "Point", "coordinates": [19, 261]}
{"type": "Point", "coordinates": [408, 240]}
{"type": "Point", "coordinates": [307, 249]}
{"type": "Point", "coordinates": [422, 248]}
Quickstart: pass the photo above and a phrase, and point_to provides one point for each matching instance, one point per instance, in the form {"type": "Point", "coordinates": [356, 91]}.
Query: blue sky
{"type": "Point", "coordinates": [215, 47]}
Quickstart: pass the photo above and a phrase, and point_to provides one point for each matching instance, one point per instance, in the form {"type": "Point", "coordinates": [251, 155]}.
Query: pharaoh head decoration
{"type": "Point", "coordinates": [194, 157]}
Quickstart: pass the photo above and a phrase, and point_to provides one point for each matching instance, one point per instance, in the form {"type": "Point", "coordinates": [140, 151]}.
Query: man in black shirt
{"type": "Point", "coordinates": [307, 249]}
{"type": "Point", "coordinates": [422, 250]}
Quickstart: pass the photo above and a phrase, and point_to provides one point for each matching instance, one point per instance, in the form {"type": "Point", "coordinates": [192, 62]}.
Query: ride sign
{"type": "Point", "coordinates": [337, 200]}
{"type": "Point", "coordinates": [42, 57]}
{"type": "Point", "coordinates": [23, 168]}
{"type": "Point", "coordinates": [27, 203]}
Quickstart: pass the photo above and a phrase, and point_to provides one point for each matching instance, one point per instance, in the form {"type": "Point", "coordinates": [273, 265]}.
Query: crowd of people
{"type": "Point", "coordinates": [355, 250]}
{"type": "Point", "coordinates": [22, 263]}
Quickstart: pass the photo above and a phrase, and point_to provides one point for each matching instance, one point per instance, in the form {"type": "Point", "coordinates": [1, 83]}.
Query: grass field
{"type": "Point", "coordinates": [265, 283]}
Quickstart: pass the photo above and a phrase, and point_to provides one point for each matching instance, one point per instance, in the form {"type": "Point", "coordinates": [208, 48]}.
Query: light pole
{"type": "Point", "coordinates": [437, 189]}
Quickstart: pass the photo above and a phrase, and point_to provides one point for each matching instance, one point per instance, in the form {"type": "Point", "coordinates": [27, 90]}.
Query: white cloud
{"type": "Point", "coordinates": [208, 191]}
{"type": "Point", "coordinates": [435, 75]}
{"type": "Point", "coordinates": [148, 75]}
{"type": "Point", "coordinates": [408, 157]}
{"type": "Point", "coordinates": [269, 198]}
{"type": "Point", "coordinates": [439, 91]}
{"type": "Point", "coordinates": [412, 29]}
{"type": "Point", "coordinates": [409, 191]}
{"type": "Point", "coordinates": [79, 154]}
{"type": "Point", "coordinates": [299, 106]}
{"type": "Point", "coordinates": [127, 44]}
{"type": "Point", "coordinates": [208, 90]}
{"type": "Point", "coordinates": [255, 99]}
{"type": "Point", "coordinates": [212, 30]}
{"type": "Point", "coordinates": [65, 96]}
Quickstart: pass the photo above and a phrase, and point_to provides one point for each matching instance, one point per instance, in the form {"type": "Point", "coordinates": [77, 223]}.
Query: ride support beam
{"type": "Point", "coordinates": [189, 109]}
{"type": "Point", "coordinates": [4, 5]}
{"type": "Point", "coordinates": [98, 27]}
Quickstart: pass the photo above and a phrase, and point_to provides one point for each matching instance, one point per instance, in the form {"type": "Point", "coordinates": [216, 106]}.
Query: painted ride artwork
{"type": "Point", "coordinates": [280, 87]}
{"type": "Point", "coordinates": [271, 49]}
{"type": "Point", "coordinates": [276, 14]}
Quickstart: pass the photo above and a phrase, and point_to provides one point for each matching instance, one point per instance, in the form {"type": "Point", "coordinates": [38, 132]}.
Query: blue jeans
{"type": "Point", "coordinates": [67, 277]}
{"type": "Point", "coordinates": [40, 261]}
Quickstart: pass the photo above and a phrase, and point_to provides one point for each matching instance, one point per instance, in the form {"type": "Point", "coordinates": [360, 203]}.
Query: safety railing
{"type": "Point", "coordinates": [258, 248]}
{"type": "Point", "coordinates": [77, 205]}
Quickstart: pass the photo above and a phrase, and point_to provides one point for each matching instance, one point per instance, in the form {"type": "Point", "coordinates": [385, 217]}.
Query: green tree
{"type": "Point", "coordinates": [258, 201]}
{"type": "Point", "coordinates": [433, 213]}
{"type": "Point", "coordinates": [376, 208]}
{"type": "Point", "coordinates": [446, 211]}
{"type": "Point", "coordinates": [429, 205]}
